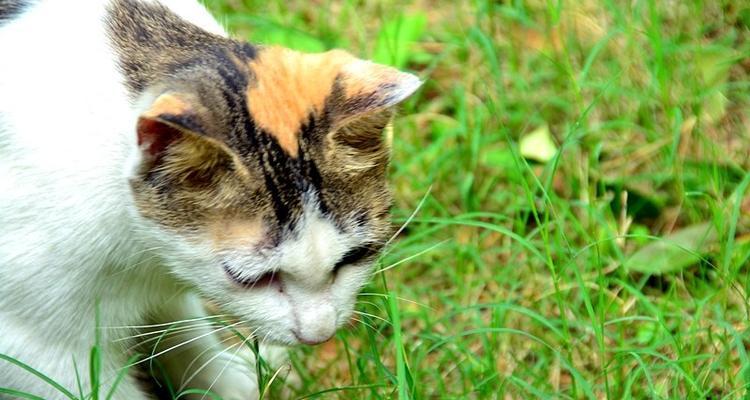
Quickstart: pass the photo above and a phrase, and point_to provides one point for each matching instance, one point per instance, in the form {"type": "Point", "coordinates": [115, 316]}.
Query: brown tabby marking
{"type": "Point", "coordinates": [247, 137]}
{"type": "Point", "coordinates": [9, 9]}
{"type": "Point", "coordinates": [288, 87]}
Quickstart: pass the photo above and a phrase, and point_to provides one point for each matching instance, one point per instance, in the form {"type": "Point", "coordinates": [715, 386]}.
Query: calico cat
{"type": "Point", "coordinates": [149, 163]}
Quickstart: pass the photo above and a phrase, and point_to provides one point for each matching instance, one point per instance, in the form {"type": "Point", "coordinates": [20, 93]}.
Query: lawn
{"type": "Point", "coordinates": [572, 210]}
{"type": "Point", "coordinates": [572, 181]}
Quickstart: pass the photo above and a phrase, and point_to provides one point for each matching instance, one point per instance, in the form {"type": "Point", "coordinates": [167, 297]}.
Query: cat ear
{"type": "Point", "coordinates": [171, 137]}
{"type": "Point", "coordinates": [370, 88]}
{"type": "Point", "coordinates": [167, 120]}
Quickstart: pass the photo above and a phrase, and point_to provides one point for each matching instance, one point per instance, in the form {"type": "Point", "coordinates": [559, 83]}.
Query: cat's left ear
{"type": "Point", "coordinates": [370, 88]}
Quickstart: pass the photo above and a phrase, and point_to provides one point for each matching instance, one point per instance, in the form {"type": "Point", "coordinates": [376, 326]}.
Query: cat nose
{"type": "Point", "coordinates": [315, 325]}
{"type": "Point", "coordinates": [310, 342]}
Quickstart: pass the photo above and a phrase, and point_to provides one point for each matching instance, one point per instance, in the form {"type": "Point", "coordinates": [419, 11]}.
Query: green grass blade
{"type": "Point", "coordinates": [38, 374]}
{"type": "Point", "coordinates": [19, 394]}
{"type": "Point", "coordinates": [403, 384]}
{"type": "Point", "coordinates": [121, 375]}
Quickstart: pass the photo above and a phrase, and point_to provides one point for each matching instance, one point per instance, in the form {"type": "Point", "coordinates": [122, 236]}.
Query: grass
{"type": "Point", "coordinates": [584, 169]}
{"type": "Point", "coordinates": [568, 266]}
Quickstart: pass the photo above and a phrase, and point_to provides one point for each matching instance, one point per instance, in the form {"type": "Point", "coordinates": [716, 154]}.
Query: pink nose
{"type": "Point", "coordinates": [313, 340]}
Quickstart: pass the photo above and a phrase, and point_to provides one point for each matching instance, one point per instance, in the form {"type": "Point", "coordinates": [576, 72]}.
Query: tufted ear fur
{"type": "Point", "coordinates": [370, 93]}
{"type": "Point", "coordinates": [173, 143]}
{"type": "Point", "coordinates": [371, 88]}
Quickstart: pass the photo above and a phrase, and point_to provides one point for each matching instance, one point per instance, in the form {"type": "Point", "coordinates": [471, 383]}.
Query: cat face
{"type": "Point", "coordinates": [264, 174]}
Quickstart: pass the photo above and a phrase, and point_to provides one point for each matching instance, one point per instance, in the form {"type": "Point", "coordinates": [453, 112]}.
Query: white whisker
{"type": "Point", "coordinates": [171, 335]}
{"type": "Point", "coordinates": [229, 361]}
{"type": "Point", "coordinates": [377, 306]}
{"type": "Point", "coordinates": [411, 257]}
{"type": "Point", "coordinates": [397, 297]}
{"type": "Point", "coordinates": [372, 328]}
{"type": "Point", "coordinates": [152, 356]}
{"type": "Point", "coordinates": [170, 329]}
{"type": "Point", "coordinates": [164, 323]}
{"type": "Point", "coordinates": [372, 316]}
{"type": "Point", "coordinates": [183, 382]}
{"type": "Point", "coordinates": [408, 220]}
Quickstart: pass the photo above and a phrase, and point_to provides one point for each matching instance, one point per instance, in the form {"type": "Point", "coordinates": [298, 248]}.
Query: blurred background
{"type": "Point", "coordinates": [572, 182]}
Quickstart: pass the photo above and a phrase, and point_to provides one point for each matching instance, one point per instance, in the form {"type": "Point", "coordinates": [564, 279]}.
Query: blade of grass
{"type": "Point", "coordinates": [19, 394]}
{"type": "Point", "coordinates": [39, 375]}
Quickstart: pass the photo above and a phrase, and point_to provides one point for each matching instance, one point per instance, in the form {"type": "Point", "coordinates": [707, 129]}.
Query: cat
{"type": "Point", "coordinates": [149, 163]}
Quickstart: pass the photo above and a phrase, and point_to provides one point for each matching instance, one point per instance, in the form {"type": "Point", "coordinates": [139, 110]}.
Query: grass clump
{"type": "Point", "coordinates": [548, 280]}
{"type": "Point", "coordinates": [581, 170]}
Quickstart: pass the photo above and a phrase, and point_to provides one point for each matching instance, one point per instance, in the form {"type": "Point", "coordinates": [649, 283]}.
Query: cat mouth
{"type": "Point", "coordinates": [266, 279]}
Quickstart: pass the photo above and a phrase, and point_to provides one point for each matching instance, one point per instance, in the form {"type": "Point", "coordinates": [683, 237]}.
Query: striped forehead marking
{"type": "Point", "coordinates": [287, 87]}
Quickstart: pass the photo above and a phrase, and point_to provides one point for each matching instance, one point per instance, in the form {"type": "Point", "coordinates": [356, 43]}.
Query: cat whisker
{"type": "Point", "coordinates": [397, 297]}
{"type": "Point", "coordinates": [161, 337]}
{"type": "Point", "coordinates": [154, 355]}
{"type": "Point", "coordinates": [372, 328]}
{"type": "Point", "coordinates": [166, 323]}
{"type": "Point", "coordinates": [273, 378]}
{"type": "Point", "coordinates": [408, 220]}
{"type": "Point", "coordinates": [242, 344]}
{"type": "Point", "coordinates": [140, 262]}
{"type": "Point", "coordinates": [372, 316]}
{"type": "Point", "coordinates": [377, 306]}
{"type": "Point", "coordinates": [217, 355]}
{"type": "Point", "coordinates": [361, 312]}
{"type": "Point", "coordinates": [397, 263]}
{"type": "Point", "coordinates": [170, 329]}
{"type": "Point", "coordinates": [184, 382]}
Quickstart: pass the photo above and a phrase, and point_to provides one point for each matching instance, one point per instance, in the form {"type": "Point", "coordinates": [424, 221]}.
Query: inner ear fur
{"type": "Point", "coordinates": [182, 156]}
{"type": "Point", "coordinates": [366, 132]}
{"type": "Point", "coordinates": [196, 159]}
{"type": "Point", "coordinates": [365, 96]}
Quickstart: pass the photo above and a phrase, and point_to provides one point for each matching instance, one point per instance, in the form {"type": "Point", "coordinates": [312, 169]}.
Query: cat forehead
{"type": "Point", "coordinates": [288, 86]}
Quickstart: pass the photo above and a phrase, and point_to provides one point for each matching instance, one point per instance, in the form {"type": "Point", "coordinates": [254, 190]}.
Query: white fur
{"type": "Point", "coordinates": [71, 240]}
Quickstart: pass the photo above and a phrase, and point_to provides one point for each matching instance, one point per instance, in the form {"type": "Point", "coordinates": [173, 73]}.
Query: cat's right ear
{"type": "Point", "coordinates": [370, 89]}
{"type": "Point", "coordinates": [171, 138]}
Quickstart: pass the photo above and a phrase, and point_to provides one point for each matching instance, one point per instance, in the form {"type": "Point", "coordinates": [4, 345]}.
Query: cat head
{"type": "Point", "coordinates": [263, 173]}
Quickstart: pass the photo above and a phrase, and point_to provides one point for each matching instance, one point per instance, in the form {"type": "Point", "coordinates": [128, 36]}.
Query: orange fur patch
{"type": "Point", "coordinates": [167, 104]}
{"type": "Point", "coordinates": [288, 86]}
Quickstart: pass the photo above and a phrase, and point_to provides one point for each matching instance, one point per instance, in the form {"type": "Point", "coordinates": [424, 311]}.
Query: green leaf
{"type": "Point", "coordinates": [121, 375]}
{"type": "Point", "coordinates": [673, 252]}
{"type": "Point", "coordinates": [714, 107]}
{"type": "Point", "coordinates": [94, 368]}
{"type": "Point", "coordinates": [38, 374]}
{"type": "Point", "coordinates": [538, 145]}
{"type": "Point", "coordinates": [713, 64]}
{"type": "Point", "coordinates": [501, 158]}
{"type": "Point", "coordinates": [396, 38]}
{"type": "Point", "coordinates": [19, 395]}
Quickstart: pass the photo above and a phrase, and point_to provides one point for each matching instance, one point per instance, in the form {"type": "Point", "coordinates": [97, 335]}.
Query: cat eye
{"type": "Point", "coordinates": [355, 255]}
{"type": "Point", "coordinates": [267, 279]}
